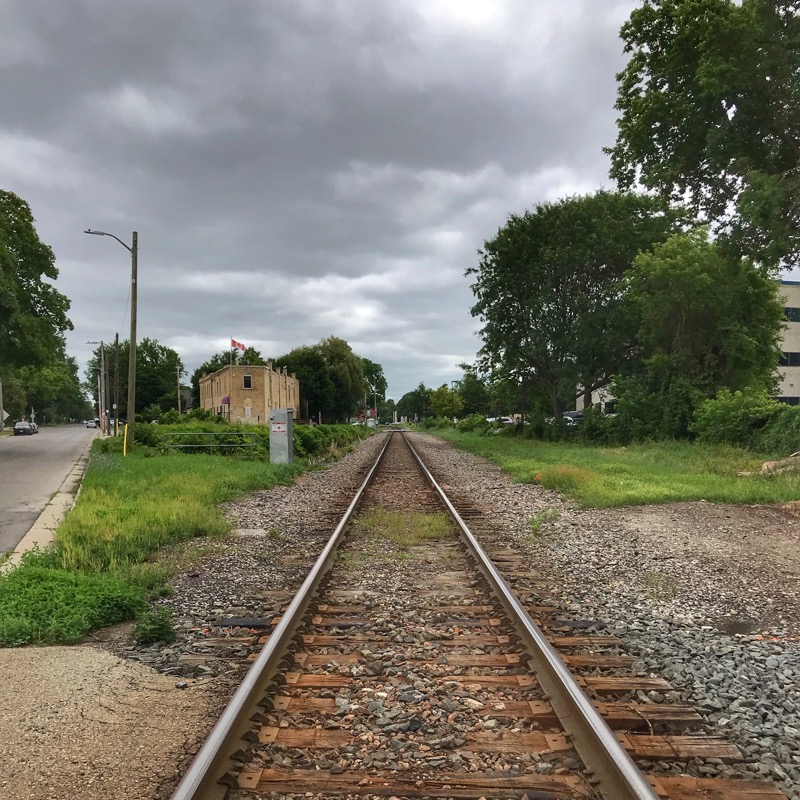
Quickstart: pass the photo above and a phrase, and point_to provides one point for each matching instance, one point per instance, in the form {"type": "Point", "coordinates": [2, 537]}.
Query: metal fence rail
{"type": "Point", "coordinates": [226, 443]}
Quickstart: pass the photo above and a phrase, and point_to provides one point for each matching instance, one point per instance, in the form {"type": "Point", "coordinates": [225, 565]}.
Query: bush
{"type": "Point", "coordinates": [781, 435]}
{"type": "Point", "coordinates": [735, 417]}
{"type": "Point", "coordinates": [597, 427]}
{"type": "Point", "coordinates": [432, 423]}
{"type": "Point", "coordinates": [46, 606]}
{"type": "Point", "coordinates": [474, 422]}
{"type": "Point", "coordinates": [155, 626]}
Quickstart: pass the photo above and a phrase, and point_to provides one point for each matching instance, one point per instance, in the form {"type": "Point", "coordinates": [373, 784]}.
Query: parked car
{"type": "Point", "coordinates": [90, 423]}
{"type": "Point", "coordinates": [570, 422]}
{"type": "Point", "coordinates": [23, 428]}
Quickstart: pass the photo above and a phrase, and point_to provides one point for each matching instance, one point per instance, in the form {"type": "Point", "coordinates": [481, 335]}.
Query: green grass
{"type": "Point", "coordinates": [110, 552]}
{"type": "Point", "coordinates": [405, 530]}
{"type": "Point", "coordinates": [641, 474]}
{"type": "Point", "coordinates": [541, 518]}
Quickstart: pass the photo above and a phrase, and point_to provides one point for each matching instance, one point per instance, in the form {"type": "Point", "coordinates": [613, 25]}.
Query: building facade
{"type": "Point", "coordinates": [247, 393]}
{"type": "Point", "coordinates": [789, 369]}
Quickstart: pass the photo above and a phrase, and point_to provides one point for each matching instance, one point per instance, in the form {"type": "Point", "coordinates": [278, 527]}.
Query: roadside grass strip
{"type": "Point", "coordinates": [641, 474]}
{"type": "Point", "coordinates": [116, 548]}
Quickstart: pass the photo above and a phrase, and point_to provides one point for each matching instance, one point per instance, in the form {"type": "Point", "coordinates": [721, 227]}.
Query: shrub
{"type": "Point", "coordinates": [474, 422]}
{"type": "Point", "coordinates": [155, 626]}
{"type": "Point", "coordinates": [433, 423]}
{"type": "Point", "coordinates": [597, 427]}
{"type": "Point", "coordinates": [781, 435]}
{"type": "Point", "coordinates": [735, 417]}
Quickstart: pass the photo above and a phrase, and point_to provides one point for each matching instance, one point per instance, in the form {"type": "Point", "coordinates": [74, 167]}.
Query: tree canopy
{"type": "Point", "coordinates": [548, 290]}
{"type": "Point", "coordinates": [157, 369]}
{"type": "Point", "coordinates": [33, 313]}
{"type": "Point", "coordinates": [705, 322]}
{"type": "Point", "coordinates": [710, 116]}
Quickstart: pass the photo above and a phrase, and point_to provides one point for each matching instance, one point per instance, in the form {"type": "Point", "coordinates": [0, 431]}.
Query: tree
{"type": "Point", "coordinates": [705, 322]}
{"type": "Point", "coordinates": [445, 402]}
{"type": "Point", "coordinates": [346, 370]}
{"type": "Point", "coordinates": [416, 403]}
{"type": "Point", "coordinates": [373, 375]}
{"type": "Point", "coordinates": [473, 392]}
{"type": "Point", "coordinates": [157, 369]}
{"type": "Point", "coordinates": [548, 290]}
{"type": "Point", "coordinates": [316, 385]}
{"type": "Point", "coordinates": [710, 115]}
{"type": "Point", "coordinates": [33, 314]}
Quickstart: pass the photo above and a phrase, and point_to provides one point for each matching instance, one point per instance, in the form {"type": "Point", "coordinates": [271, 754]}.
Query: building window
{"type": "Point", "coordinates": [248, 381]}
{"type": "Point", "coordinates": [792, 314]}
{"type": "Point", "coordinates": [789, 360]}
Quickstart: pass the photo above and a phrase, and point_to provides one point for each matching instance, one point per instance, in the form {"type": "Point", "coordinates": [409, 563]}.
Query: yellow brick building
{"type": "Point", "coordinates": [247, 393]}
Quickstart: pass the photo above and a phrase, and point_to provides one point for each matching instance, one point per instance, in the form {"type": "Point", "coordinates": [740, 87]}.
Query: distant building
{"type": "Point", "coordinates": [789, 368]}
{"type": "Point", "coordinates": [247, 393]}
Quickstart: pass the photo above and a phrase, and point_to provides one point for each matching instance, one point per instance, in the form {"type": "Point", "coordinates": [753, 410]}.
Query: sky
{"type": "Point", "coordinates": [296, 169]}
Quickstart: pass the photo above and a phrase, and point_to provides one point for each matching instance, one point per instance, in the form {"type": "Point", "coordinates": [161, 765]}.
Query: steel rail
{"type": "Point", "coordinates": [212, 772]}
{"type": "Point", "coordinates": [616, 775]}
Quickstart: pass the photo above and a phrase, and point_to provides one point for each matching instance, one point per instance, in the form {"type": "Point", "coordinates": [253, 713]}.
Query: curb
{"type": "Point", "coordinates": [42, 532]}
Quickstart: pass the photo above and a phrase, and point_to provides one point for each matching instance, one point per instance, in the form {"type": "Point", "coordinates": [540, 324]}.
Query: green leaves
{"type": "Point", "coordinates": [710, 116]}
{"type": "Point", "coordinates": [33, 314]}
{"type": "Point", "coordinates": [549, 294]}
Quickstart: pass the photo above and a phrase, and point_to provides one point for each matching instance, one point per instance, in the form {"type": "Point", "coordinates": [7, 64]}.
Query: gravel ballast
{"type": "Point", "coordinates": [706, 596]}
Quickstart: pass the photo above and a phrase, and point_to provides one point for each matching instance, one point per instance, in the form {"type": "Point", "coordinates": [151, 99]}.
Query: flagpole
{"type": "Point", "coordinates": [230, 352]}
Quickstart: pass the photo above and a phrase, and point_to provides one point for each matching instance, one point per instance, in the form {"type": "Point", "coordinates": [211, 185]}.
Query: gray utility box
{"type": "Point", "coordinates": [281, 444]}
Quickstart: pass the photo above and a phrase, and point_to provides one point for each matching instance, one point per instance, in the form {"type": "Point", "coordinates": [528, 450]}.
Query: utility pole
{"type": "Point", "coordinates": [132, 357]}
{"type": "Point", "coordinates": [178, 368]}
{"type": "Point", "coordinates": [134, 251]}
{"type": "Point", "coordinates": [116, 384]}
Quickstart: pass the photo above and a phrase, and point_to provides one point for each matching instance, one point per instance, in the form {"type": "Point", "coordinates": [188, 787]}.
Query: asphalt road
{"type": "Point", "coordinates": [31, 469]}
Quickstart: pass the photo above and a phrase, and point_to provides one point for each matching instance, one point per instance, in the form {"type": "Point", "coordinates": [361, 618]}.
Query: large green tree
{"type": "Point", "coordinates": [346, 370]}
{"type": "Point", "coordinates": [446, 402]}
{"type": "Point", "coordinates": [710, 115]}
{"type": "Point", "coordinates": [415, 404]}
{"type": "Point", "coordinates": [157, 374]}
{"type": "Point", "coordinates": [316, 385]}
{"type": "Point", "coordinates": [548, 290]}
{"type": "Point", "coordinates": [706, 321]}
{"type": "Point", "coordinates": [376, 380]}
{"type": "Point", "coordinates": [473, 392]}
{"type": "Point", "coordinates": [33, 313]}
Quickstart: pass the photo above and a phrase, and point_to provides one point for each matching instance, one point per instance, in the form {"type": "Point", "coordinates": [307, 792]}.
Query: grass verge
{"type": "Point", "coordinates": [601, 477]}
{"type": "Point", "coordinates": [109, 556]}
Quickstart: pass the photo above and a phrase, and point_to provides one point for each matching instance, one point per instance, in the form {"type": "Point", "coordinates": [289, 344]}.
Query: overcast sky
{"type": "Point", "coordinates": [298, 169]}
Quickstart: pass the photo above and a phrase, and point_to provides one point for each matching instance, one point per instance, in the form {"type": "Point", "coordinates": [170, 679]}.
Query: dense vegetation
{"type": "Point", "coordinates": [34, 367]}
{"type": "Point", "coordinates": [119, 544]}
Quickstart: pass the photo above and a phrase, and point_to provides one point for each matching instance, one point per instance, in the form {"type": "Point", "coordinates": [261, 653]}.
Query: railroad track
{"type": "Point", "coordinates": [411, 664]}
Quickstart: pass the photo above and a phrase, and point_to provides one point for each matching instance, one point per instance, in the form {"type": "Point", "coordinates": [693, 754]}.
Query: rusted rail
{"type": "Point", "coordinates": [476, 652]}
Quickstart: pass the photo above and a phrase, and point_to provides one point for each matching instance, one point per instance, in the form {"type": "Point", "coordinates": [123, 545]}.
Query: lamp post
{"type": "Point", "coordinates": [134, 251]}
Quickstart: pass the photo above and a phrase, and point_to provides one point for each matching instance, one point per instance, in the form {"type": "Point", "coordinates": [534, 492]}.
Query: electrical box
{"type": "Point", "coordinates": [281, 443]}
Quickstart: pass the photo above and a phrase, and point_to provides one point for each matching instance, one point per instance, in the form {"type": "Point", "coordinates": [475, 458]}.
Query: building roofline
{"type": "Point", "coordinates": [790, 283]}
{"type": "Point", "coordinates": [243, 366]}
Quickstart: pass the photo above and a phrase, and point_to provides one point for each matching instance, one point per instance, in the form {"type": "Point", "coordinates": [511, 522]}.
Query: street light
{"type": "Point", "coordinates": [134, 251]}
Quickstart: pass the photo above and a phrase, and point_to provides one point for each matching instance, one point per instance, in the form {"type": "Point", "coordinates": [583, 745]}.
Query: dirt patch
{"type": "Point", "coordinates": [742, 563]}
{"type": "Point", "coordinates": [77, 722]}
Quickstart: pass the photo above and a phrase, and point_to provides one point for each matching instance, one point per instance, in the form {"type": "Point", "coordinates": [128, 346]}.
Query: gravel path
{"type": "Point", "coordinates": [706, 595]}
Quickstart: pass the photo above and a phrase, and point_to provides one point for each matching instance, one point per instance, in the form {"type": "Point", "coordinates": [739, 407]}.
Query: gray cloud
{"type": "Point", "coordinates": [298, 169]}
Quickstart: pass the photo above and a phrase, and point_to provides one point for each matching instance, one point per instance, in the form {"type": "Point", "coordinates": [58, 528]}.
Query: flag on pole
{"type": "Point", "coordinates": [239, 345]}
